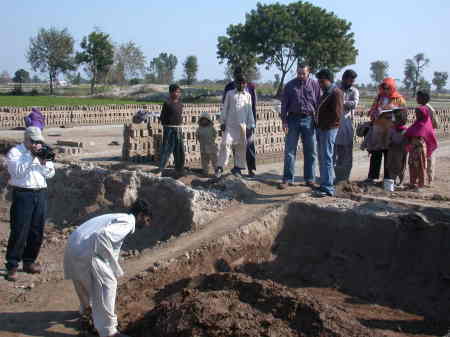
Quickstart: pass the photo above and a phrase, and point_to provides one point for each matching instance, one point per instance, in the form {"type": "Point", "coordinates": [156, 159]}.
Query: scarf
{"type": "Point", "coordinates": [422, 127]}
{"type": "Point", "coordinates": [35, 118]}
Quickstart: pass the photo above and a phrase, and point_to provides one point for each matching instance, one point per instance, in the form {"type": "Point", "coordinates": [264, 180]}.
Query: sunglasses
{"type": "Point", "coordinates": [36, 141]}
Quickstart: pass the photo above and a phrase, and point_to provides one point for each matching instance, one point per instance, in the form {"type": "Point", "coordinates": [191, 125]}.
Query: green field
{"type": "Point", "coordinates": [23, 101]}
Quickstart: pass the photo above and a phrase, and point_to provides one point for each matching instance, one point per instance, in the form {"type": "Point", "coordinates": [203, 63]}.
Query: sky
{"type": "Point", "coordinates": [384, 30]}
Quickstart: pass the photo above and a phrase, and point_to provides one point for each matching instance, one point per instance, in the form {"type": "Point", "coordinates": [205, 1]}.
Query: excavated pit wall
{"type": "Point", "coordinates": [77, 193]}
{"type": "Point", "coordinates": [394, 256]}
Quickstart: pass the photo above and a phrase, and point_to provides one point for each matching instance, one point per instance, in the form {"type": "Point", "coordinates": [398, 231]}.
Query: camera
{"type": "Point", "coordinates": [46, 153]}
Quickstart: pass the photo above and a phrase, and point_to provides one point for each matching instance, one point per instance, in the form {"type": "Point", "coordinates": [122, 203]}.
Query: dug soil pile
{"type": "Point", "coordinates": [232, 304]}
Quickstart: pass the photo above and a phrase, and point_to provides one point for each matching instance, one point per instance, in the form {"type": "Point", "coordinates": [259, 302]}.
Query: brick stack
{"type": "Point", "coordinates": [142, 146]}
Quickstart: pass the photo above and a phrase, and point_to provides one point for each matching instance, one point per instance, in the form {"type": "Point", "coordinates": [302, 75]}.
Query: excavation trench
{"type": "Point", "coordinates": [254, 281]}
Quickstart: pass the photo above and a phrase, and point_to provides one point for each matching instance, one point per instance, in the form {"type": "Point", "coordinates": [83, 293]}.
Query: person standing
{"type": "Point", "coordinates": [329, 112]}
{"type": "Point", "coordinates": [299, 103]}
{"type": "Point", "coordinates": [343, 151]}
{"type": "Point", "coordinates": [206, 135]}
{"type": "Point", "coordinates": [422, 142]}
{"type": "Point", "coordinates": [388, 98]}
{"type": "Point", "coordinates": [172, 121]}
{"type": "Point", "coordinates": [236, 119]}
{"type": "Point", "coordinates": [35, 118]}
{"type": "Point", "coordinates": [423, 98]}
{"type": "Point", "coordinates": [251, 150]}
{"type": "Point", "coordinates": [91, 261]}
{"type": "Point", "coordinates": [28, 174]}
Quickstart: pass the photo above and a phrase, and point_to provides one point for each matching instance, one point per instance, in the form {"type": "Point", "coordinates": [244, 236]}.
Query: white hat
{"type": "Point", "coordinates": [205, 114]}
{"type": "Point", "coordinates": [34, 133]}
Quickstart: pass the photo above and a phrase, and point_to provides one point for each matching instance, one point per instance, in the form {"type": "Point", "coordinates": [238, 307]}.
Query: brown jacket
{"type": "Point", "coordinates": [330, 110]}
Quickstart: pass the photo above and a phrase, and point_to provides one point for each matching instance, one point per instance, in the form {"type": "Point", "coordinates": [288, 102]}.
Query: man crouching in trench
{"type": "Point", "coordinates": [91, 261]}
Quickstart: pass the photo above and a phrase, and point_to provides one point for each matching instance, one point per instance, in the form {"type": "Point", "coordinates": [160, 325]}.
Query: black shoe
{"type": "Point", "coordinates": [11, 275]}
{"type": "Point", "coordinates": [218, 172]}
{"type": "Point", "coordinates": [283, 185]}
{"type": "Point", "coordinates": [31, 268]}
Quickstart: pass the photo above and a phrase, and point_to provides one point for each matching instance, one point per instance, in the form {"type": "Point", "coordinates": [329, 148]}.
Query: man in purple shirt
{"type": "Point", "coordinates": [298, 106]}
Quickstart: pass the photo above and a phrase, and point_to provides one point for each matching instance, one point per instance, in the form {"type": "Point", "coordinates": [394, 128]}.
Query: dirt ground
{"type": "Point", "coordinates": [218, 304]}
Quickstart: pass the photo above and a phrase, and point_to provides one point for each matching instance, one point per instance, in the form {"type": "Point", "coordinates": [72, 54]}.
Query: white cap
{"type": "Point", "coordinates": [34, 133]}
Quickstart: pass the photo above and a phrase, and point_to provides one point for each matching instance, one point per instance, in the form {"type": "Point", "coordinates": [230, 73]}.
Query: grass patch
{"type": "Point", "coordinates": [24, 101]}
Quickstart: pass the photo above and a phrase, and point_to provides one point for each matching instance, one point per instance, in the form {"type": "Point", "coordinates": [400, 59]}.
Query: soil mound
{"type": "Point", "coordinates": [232, 304]}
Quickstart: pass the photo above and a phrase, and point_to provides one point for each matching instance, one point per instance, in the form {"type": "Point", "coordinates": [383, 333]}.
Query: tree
{"type": "Point", "coordinates": [21, 76]}
{"type": "Point", "coordinates": [36, 79]}
{"type": "Point", "coordinates": [190, 69]}
{"type": "Point", "coordinates": [4, 77]}
{"type": "Point", "coordinates": [129, 62]}
{"type": "Point", "coordinates": [413, 70]}
{"type": "Point", "coordinates": [162, 68]}
{"type": "Point", "coordinates": [52, 51]}
{"type": "Point", "coordinates": [97, 55]}
{"type": "Point", "coordinates": [236, 54]}
{"type": "Point", "coordinates": [423, 84]}
{"type": "Point", "coordinates": [378, 71]}
{"type": "Point", "coordinates": [440, 80]}
{"type": "Point", "coordinates": [281, 35]}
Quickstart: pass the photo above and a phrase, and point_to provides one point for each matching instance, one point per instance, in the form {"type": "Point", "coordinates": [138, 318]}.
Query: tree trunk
{"type": "Point", "coordinates": [281, 85]}
{"type": "Point", "coordinates": [93, 83]}
{"type": "Point", "coordinates": [51, 84]}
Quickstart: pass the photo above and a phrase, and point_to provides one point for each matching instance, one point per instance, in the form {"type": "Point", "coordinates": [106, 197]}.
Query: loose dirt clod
{"type": "Point", "coordinates": [232, 304]}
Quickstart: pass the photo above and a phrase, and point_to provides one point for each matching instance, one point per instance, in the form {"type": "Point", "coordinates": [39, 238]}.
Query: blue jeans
{"type": "Point", "coordinates": [172, 144]}
{"type": "Point", "coordinates": [325, 144]}
{"type": "Point", "coordinates": [300, 127]}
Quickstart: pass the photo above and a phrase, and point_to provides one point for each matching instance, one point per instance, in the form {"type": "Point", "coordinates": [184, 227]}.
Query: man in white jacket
{"type": "Point", "coordinates": [236, 118]}
{"type": "Point", "coordinates": [91, 262]}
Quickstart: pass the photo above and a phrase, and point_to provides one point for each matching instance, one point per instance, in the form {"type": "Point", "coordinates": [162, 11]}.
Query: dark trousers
{"type": "Point", "coordinates": [375, 164]}
{"type": "Point", "coordinates": [172, 143]}
{"type": "Point", "coordinates": [251, 150]}
{"type": "Point", "coordinates": [28, 212]}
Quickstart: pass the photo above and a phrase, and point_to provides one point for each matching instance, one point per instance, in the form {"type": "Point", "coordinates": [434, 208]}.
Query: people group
{"type": "Point", "coordinates": [317, 111]}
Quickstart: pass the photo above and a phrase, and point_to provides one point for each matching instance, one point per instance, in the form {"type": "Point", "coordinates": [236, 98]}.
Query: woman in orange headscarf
{"type": "Point", "coordinates": [388, 98]}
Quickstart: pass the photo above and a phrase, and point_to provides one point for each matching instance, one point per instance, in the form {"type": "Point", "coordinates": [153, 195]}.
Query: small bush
{"type": "Point", "coordinates": [17, 91]}
{"type": "Point", "coordinates": [34, 92]}
{"type": "Point", "coordinates": [135, 81]}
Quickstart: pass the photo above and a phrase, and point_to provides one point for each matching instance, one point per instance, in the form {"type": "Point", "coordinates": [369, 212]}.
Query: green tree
{"type": "Point", "coordinates": [52, 51]}
{"type": "Point", "coordinates": [281, 35]}
{"type": "Point", "coordinates": [36, 79]}
{"type": "Point", "coordinates": [21, 76]}
{"type": "Point", "coordinates": [423, 84]}
{"type": "Point", "coordinates": [190, 69]}
{"type": "Point", "coordinates": [162, 68]}
{"type": "Point", "coordinates": [413, 72]}
{"type": "Point", "coordinates": [231, 50]}
{"type": "Point", "coordinates": [129, 62]}
{"type": "Point", "coordinates": [97, 55]}
{"type": "Point", "coordinates": [440, 80]}
{"type": "Point", "coordinates": [378, 71]}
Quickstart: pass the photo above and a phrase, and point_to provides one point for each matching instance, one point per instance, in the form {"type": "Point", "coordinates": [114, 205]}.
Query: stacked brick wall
{"type": "Point", "coordinates": [142, 141]}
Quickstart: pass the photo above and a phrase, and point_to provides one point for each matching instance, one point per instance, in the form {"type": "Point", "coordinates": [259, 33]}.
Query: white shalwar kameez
{"type": "Point", "coordinates": [91, 261]}
{"type": "Point", "coordinates": [237, 116]}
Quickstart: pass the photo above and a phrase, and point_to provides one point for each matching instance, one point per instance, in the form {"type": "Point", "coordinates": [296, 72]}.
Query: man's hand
{"type": "Point", "coordinates": [222, 127]}
{"type": "Point", "coordinates": [285, 127]}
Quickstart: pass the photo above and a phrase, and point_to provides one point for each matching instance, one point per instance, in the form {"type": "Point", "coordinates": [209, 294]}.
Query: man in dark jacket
{"type": "Point", "coordinates": [331, 106]}
{"type": "Point", "coordinates": [172, 122]}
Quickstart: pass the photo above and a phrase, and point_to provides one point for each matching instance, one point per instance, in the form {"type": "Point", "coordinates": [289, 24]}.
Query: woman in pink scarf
{"type": "Point", "coordinates": [422, 142]}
